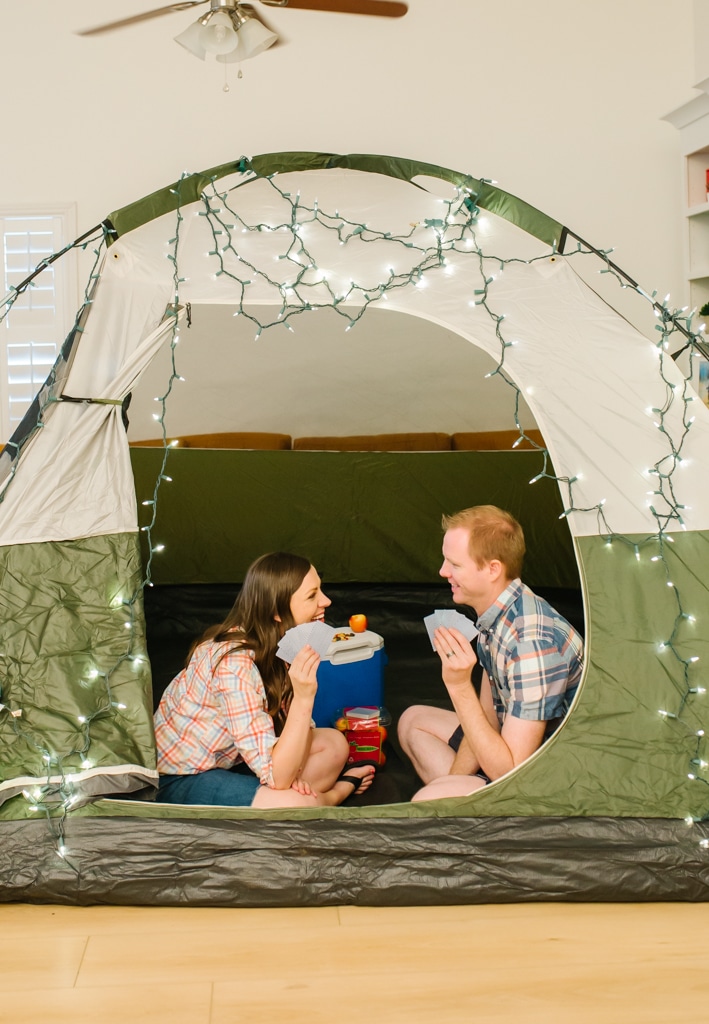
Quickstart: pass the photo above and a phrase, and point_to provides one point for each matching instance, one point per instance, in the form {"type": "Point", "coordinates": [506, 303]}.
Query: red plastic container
{"type": "Point", "coordinates": [365, 729]}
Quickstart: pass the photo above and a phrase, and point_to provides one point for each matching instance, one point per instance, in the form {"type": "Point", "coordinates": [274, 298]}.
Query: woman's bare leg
{"type": "Point", "coordinates": [326, 759]}
{"type": "Point", "coordinates": [331, 797]}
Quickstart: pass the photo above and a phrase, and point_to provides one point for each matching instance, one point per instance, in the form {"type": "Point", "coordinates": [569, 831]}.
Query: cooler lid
{"type": "Point", "coordinates": [347, 646]}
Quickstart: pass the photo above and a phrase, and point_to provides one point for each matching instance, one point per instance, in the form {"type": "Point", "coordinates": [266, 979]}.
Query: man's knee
{"type": "Point", "coordinates": [412, 720]}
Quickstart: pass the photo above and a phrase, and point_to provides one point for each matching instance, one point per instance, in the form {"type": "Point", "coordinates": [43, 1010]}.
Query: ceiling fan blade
{"type": "Point", "coordinates": [183, 6]}
{"type": "Point", "coordinates": [379, 8]}
{"type": "Point", "coordinates": [249, 8]}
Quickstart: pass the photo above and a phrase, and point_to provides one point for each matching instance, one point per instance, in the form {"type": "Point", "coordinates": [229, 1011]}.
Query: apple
{"type": "Point", "coordinates": [358, 623]}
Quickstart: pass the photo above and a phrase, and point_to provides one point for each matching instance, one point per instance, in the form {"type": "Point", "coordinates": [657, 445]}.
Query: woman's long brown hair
{"type": "Point", "coordinates": [253, 623]}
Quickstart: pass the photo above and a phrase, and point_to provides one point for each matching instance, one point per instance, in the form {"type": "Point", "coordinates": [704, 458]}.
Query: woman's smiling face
{"type": "Point", "coordinates": [308, 603]}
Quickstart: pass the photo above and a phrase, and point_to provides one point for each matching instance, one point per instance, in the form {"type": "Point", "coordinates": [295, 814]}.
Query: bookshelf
{"type": "Point", "coordinates": [692, 122]}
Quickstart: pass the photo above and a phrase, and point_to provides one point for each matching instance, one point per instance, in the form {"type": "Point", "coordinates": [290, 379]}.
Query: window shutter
{"type": "Point", "coordinates": [33, 330]}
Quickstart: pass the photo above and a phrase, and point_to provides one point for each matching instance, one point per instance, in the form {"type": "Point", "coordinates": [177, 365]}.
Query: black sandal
{"type": "Point", "coordinates": [355, 780]}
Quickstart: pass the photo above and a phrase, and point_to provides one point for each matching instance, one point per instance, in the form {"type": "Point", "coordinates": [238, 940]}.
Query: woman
{"type": "Point", "coordinates": [235, 726]}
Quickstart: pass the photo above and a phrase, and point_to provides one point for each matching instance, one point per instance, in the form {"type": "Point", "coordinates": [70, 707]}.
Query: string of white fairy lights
{"type": "Point", "coordinates": [664, 505]}
{"type": "Point", "coordinates": [454, 231]}
{"type": "Point", "coordinates": [303, 286]}
{"type": "Point", "coordinates": [55, 797]}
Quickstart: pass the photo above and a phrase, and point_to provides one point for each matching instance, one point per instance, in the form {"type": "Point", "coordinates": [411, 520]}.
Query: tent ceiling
{"type": "Point", "coordinates": [392, 373]}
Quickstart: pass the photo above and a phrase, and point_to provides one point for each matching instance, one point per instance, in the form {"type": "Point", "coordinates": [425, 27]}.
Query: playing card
{"type": "Point", "coordinates": [321, 637]}
{"type": "Point", "coordinates": [317, 634]}
{"type": "Point", "coordinates": [431, 624]}
{"type": "Point", "coordinates": [451, 619]}
{"type": "Point", "coordinates": [292, 641]}
{"type": "Point", "coordinates": [285, 650]}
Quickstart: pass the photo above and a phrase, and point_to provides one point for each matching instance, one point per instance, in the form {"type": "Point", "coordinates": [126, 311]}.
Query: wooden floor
{"type": "Point", "coordinates": [528, 964]}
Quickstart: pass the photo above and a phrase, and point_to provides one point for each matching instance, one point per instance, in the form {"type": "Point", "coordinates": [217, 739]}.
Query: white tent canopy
{"type": "Point", "coordinates": [590, 379]}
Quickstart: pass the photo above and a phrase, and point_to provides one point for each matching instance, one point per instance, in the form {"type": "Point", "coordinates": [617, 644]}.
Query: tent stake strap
{"type": "Point", "coordinates": [91, 401]}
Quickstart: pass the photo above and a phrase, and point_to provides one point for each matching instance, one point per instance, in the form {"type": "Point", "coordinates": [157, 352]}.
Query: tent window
{"type": "Point", "coordinates": [39, 320]}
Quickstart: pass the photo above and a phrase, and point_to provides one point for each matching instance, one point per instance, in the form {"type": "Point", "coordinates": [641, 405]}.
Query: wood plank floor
{"type": "Point", "coordinates": [531, 963]}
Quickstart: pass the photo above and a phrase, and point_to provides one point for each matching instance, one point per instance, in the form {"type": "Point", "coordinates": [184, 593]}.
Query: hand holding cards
{"type": "Point", "coordinates": [451, 619]}
{"type": "Point", "coordinates": [316, 634]}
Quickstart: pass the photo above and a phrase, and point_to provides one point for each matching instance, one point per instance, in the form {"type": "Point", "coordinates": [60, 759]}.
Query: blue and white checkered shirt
{"type": "Point", "coordinates": [532, 656]}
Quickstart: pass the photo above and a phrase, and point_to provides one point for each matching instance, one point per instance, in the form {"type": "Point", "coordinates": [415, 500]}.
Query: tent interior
{"type": "Point", "coordinates": [393, 372]}
{"type": "Point", "coordinates": [448, 311]}
{"type": "Point", "coordinates": [397, 375]}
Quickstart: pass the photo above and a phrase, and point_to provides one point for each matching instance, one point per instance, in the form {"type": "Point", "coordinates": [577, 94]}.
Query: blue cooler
{"type": "Point", "coordinates": [351, 673]}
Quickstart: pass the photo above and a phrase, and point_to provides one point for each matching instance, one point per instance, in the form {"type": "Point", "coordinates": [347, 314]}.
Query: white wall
{"type": "Point", "coordinates": [701, 34]}
{"type": "Point", "coordinates": [560, 101]}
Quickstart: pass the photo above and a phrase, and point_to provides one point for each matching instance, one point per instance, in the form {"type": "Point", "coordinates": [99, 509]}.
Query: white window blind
{"type": "Point", "coordinates": [36, 325]}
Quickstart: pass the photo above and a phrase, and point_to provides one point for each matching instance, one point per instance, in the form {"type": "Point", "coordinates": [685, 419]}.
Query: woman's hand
{"type": "Point", "coordinates": [457, 656]}
{"type": "Point", "coordinates": [303, 674]}
{"type": "Point", "coordinates": [303, 787]}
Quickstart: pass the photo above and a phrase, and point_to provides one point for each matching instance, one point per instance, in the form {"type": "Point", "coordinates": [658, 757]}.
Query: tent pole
{"type": "Point", "coordinates": [691, 338]}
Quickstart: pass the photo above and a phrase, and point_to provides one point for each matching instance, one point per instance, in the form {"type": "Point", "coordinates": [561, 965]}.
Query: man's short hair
{"type": "Point", "coordinates": [494, 534]}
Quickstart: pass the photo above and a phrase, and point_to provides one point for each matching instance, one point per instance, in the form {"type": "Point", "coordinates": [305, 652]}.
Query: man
{"type": "Point", "coordinates": [531, 659]}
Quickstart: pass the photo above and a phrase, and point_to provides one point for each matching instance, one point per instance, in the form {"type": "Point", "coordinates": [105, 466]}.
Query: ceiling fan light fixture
{"type": "Point", "coordinates": [253, 37]}
{"type": "Point", "coordinates": [191, 39]}
{"type": "Point", "coordinates": [219, 35]}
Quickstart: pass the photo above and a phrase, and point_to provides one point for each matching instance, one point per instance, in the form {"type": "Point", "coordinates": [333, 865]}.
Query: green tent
{"type": "Point", "coordinates": [623, 477]}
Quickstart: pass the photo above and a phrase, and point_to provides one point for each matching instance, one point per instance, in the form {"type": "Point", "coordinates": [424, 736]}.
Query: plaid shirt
{"type": "Point", "coordinates": [213, 715]}
{"type": "Point", "coordinates": [532, 656]}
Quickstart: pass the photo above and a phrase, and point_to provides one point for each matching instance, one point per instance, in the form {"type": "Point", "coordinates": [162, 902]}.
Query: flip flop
{"type": "Point", "coordinates": [355, 780]}
{"type": "Point", "coordinates": [357, 764]}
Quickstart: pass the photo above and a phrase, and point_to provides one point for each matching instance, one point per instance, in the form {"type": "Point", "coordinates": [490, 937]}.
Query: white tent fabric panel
{"type": "Point", "coordinates": [76, 479]}
{"type": "Point", "coordinates": [381, 203]}
{"type": "Point", "coordinates": [128, 307]}
{"type": "Point", "coordinates": [592, 382]}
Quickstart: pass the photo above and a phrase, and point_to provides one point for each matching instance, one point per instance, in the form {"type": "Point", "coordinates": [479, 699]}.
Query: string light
{"type": "Point", "coordinates": [435, 245]}
{"type": "Point", "coordinates": [664, 506]}
{"type": "Point", "coordinates": [60, 790]}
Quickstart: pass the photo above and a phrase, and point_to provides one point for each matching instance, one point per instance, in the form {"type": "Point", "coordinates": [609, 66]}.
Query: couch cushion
{"type": "Point", "coordinates": [493, 440]}
{"type": "Point", "coordinates": [245, 439]}
{"type": "Point", "coordinates": [421, 442]}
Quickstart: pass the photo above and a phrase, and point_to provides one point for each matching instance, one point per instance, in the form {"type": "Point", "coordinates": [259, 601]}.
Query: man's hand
{"type": "Point", "coordinates": [457, 657]}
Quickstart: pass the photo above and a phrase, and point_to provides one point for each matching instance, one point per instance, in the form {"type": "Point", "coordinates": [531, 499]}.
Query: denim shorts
{"type": "Point", "coordinates": [216, 787]}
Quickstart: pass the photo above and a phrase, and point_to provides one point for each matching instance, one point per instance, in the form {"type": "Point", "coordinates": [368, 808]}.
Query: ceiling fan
{"type": "Point", "coordinates": [232, 31]}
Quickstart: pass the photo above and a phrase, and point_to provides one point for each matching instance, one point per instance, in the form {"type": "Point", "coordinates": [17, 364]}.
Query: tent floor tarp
{"type": "Point", "coordinates": [178, 862]}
